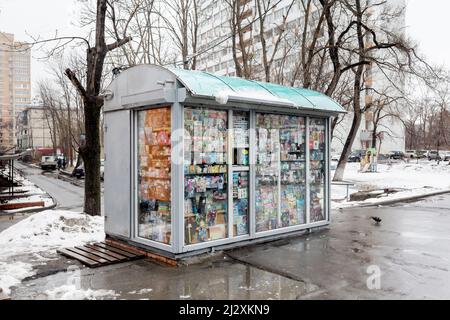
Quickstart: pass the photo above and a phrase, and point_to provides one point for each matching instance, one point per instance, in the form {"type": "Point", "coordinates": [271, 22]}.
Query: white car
{"type": "Point", "coordinates": [410, 154]}
{"type": "Point", "coordinates": [48, 163]}
{"type": "Point", "coordinates": [333, 165]}
{"type": "Point", "coordinates": [335, 157]}
{"type": "Point", "coordinates": [445, 155]}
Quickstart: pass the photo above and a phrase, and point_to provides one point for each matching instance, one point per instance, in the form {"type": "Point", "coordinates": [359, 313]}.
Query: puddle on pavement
{"type": "Point", "coordinates": [146, 280]}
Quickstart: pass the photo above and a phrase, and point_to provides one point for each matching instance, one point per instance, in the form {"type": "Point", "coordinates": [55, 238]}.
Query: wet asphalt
{"type": "Point", "coordinates": [406, 256]}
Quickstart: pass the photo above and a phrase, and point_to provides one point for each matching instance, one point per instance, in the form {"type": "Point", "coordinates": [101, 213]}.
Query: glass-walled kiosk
{"type": "Point", "coordinates": [212, 161]}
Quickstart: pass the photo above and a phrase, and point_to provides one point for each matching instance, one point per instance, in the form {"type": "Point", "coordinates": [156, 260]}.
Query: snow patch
{"type": "Point", "coordinates": [142, 291]}
{"type": "Point", "coordinates": [222, 97]}
{"type": "Point", "coordinates": [44, 231]}
{"type": "Point", "coordinates": [12, 273]}
{"type": "Point", "coordinates": [414, 178]}
{"type": "Point", "coordinates": [50, 230]}
{"type": "Point", "coordinates": [32, 192]}
{"type": "Point", "coordinates": [71, 292]}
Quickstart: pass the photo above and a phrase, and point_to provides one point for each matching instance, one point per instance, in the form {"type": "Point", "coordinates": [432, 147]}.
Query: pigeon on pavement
{"type": "Point", "coordinates": [377, 220]}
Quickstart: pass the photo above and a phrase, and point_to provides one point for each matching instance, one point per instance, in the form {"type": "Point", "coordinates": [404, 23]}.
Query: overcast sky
{"type": "Point", "coordinates": [427, 22]}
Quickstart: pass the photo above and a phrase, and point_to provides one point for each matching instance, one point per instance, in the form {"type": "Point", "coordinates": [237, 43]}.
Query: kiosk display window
{"type": "Point", "coordinates": [241, 172]}
{"type": "Point", "coordinates": [280, 171]}
{"type": "Point", "coordinates": [267, 171]}
{"type": "Point", "coordinates": [317, 169]}
{"type": "Point", "coordinates": [293, 171]}
{"type": "Point", "coordinates": [205, 171]}
{"type": "Point", "coordinates": [154, 192]}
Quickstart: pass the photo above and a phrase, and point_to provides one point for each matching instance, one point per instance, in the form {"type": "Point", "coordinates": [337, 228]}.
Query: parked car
{"type": "Point", "coordinates": [433, 155]}
{"type": "Point", "coordinates": [411, 154]}
{"type": "Point", "coordinates": [446, 155]}
{"type": "Point", "coordinates": [79, 171]}
{"type": "Point", "coordinates": [396, 155]}
{"type": "Point", "coordinates": [335, 157]}
{"type": "Point", "coordinates": [48, 163]}
{"type": "Point", "coordinates": [420, 154]}
{"type": "Point", "coordinates": [356, 156]}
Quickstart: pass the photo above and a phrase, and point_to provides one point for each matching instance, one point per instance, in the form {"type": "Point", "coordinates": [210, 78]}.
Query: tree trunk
{"type": "Point", "coordinates": [92, 104]}
{"type": "Point", "coordinates": [339, 174]}
{"type": "Point", "coordinates": [374, 132]}
{"type": "Point", "coordinates": [92, 191]}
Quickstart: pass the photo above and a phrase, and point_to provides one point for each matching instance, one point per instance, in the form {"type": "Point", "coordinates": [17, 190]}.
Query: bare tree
{"type": "Point", "coordinates": [90, 93]}
{"type": "Point", "coordinates": [263, 8]}
{"type": "Point", "coordinates": [240, 15]}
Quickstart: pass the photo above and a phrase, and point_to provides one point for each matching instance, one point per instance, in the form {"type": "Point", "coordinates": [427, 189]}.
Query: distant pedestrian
{"type": "Point", "coordinates": [64, 164]}
{"type": "Point", "coordinates": [59, 162]}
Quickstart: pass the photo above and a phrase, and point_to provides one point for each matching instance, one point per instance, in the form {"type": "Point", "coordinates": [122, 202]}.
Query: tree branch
{"type": "Point", "coordinates": [77, 84]}
{"type": "Point", "coordinates": [118, 43]}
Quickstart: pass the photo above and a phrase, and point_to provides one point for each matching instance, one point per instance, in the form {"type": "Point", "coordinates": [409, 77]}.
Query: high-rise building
{"type": "Point", "coordinates": [15, 86]}
{"type": "Point", "coordinates": [215, 41]}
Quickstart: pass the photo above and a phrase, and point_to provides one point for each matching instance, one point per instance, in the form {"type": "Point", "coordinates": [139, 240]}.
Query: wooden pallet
{"type": "Point", "coordinates": [100, 254]}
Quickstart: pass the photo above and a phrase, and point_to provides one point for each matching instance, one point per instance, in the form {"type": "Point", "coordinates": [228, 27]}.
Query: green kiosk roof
{"type": "Point", "coordinates": [221, 88]}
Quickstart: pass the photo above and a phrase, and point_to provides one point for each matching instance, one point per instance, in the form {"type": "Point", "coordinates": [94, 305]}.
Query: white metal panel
{"type": "Point", "coordinates": [117, 173]}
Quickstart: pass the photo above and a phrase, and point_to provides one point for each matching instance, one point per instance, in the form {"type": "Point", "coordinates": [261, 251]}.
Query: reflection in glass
{"type": "Point", "coordinates": [317, 169]}
{"type": "Point", "coordinates": [154, 147]}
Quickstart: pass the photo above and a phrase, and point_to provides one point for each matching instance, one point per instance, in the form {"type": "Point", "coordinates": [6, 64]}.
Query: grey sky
{"type": "Point", "coordinates": [427, 23]}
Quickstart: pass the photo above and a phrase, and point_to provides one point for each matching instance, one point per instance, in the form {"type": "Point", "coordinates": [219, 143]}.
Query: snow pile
{"type": "Point", "coordinates": [71, 292]}
{"type": "Point", "coordinates": [49, 230]}
{"type": "Point", "coordinates": [44, 231]}
{"type": "Point", "coordinates": [412, 179]}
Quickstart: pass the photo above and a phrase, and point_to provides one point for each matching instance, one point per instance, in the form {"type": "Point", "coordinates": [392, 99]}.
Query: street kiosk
{"type": "Point", "coordinates": [195, 161]}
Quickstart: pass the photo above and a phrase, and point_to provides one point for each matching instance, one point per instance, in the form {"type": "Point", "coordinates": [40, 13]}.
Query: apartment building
{"type": "Point", "coordinates": [215, 31]}
{"type": "Point", "coordinates": [215, 37]}
{"type": "Point", "coordinates": [15, 86]}
{"type": "Point", "coordinates": [34, 128]}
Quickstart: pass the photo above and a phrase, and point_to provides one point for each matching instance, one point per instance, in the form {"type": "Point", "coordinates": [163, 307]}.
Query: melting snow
{"type": "Point", "coordinates": [413, 178]}
{"type": "Point", "coordinates": [44, 231]}
{"type": "Point", "coordinates": [71, 292]}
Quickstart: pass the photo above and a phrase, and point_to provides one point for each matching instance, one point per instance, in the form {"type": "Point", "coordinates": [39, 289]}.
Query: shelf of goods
{"type": "Point", "coordinates": [205, 198]}
{"type": "Point", "coordinates": [154, 147]}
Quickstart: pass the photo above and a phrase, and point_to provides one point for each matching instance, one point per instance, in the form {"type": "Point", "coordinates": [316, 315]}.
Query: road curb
{"type": "Point", "coordinates": [53, 206]}
{"type": "Point", "coordinates": [398, 200]}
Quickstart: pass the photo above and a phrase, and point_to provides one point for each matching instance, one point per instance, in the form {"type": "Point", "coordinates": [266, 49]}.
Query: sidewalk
{"type": "Point", "coordinates": [409, 248]}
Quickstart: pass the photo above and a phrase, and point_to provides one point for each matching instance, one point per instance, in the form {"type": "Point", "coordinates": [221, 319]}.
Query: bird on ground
{"type": "Point", "coordinates": [377, 220]}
